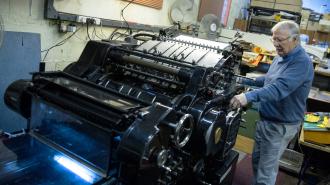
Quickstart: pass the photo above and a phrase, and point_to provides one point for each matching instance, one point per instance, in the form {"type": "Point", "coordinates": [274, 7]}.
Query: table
{"type": "Point", "coordinates": [318, 101]}
{"type": "Point", "coordinates": [322, 148]}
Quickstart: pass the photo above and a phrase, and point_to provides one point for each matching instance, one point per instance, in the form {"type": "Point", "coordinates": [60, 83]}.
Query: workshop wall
{"type": "Point", "coordinates": [111, 9]}
{"type": "Point", "coordinates": [19, 16]}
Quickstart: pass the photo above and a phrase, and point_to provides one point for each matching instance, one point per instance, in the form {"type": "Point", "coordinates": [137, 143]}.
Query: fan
{"type": "Point", "coordinates": [209, 27]}
{"type": "Point", "coordinates": [2, 30]}
{"type": "Point", "coordinates": [184, 12]}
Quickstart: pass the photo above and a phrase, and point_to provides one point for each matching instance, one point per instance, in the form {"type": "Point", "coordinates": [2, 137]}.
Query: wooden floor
{"type": "Point", "coordinates": [244, 144]}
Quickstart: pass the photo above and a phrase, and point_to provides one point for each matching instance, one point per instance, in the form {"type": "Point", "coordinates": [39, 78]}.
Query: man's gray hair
{"type": "Point", "coordinates": [291, 26]}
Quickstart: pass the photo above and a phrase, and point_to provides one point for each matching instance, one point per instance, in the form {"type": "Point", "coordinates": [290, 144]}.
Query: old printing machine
{"type": "Point", "coordinates": [153, 113]}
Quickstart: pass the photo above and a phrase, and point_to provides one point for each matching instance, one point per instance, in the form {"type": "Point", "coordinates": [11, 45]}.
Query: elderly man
{"type": "Point", "coordinates": [282, 96]}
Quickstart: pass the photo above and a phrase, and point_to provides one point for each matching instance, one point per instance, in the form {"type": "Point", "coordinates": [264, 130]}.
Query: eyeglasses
{"type": "Point", "coordinates": [279, 40]}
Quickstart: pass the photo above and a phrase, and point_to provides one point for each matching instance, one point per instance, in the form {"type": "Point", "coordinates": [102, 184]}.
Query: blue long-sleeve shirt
{"type": "Point", "coordinates": [285, 88]}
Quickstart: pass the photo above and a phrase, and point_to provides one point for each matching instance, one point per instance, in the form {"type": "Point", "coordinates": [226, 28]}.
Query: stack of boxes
{"type": "Point", "coordinates": [316, 28]}
{"type": "Point", "coordinates": [324, 24]}
{"type": "Point", "coordinates": [304, 18]}
{"type": "Point", "coordinates": [263, 23]}
{"type": "Point", "coordinates": [313, 21]}
{"type": "Point", "coordinates": [322, 36]}
{"type": "Point", "coordinates": [286, 5]}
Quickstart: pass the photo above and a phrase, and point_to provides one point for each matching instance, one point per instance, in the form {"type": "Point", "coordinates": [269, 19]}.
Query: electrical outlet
{"type": "Point", "coordinates": [83, 19]}
{"type": "Point", "coordinates": [97, 21]}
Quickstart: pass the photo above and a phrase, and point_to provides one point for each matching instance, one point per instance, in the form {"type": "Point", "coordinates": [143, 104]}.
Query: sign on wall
{"type": "Point", "coordinates": [158, 4]}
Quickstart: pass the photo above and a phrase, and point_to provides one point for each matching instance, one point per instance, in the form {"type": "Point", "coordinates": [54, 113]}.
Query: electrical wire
{"type": "Point", "coordinates": [112, 34]}
{"type": "Point", "coordinates": [129, 30]}
{"type": "Point", "coordinates": [122, 15]}
{"type": "Point", "coordinates": [119, 35]}
{"type": "Point", "coordinates": [102, 33]}
{"type": "Point", "coordinates": [58, 44]}
{"type": "Point", "coordinates": [79, 38]}
{"type": "Point", "coordinates": [88, 32]}
{"type": "Point", "coordinates": [95, 33]}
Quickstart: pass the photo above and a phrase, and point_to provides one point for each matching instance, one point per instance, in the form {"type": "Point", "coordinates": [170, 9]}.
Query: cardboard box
{"type": "Point", "coordinates": [288, 5]}
{"type": "Point", "coordinates": [240, 24]}
{"type": "Point", "coordinates": [324, 28]}
{"type": "Point", "coordinates": [324, 25]}
{"type": "Point", "coordinates": [326, 16]}
{"type": "Point", "coordinates": [321, 37]}
{"type": "Point", "coordinates": [303, 21]}
{"type": "Point", "coordinates": [290, 2]}
{"type": "Point", "coordinates": [324, 22]}
{"type": "Point", "coordinates": [303, 24]}
{"type": "Point", "coordinates": [312, 26]}
{"type": "Point", "coordinates": [305, 14]}
{"type": "Point", "coordinates": [263, 4]}
{"type": "Point", "coordinates": [291, 8]}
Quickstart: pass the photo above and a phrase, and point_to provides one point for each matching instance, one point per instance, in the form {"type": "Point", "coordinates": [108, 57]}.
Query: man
{"type": "Point", "coordinates": [282, 98]}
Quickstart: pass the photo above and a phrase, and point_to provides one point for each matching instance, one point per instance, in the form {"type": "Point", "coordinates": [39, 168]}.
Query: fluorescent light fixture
{"type": "Point", "coordinates": [76, 168]}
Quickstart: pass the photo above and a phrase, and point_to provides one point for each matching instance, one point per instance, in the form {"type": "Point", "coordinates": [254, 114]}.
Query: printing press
{"type": "Point", "coordinates": [151, 113]}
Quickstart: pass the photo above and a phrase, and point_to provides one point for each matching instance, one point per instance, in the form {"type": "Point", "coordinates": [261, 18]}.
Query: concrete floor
{"type": "Point", "coordinates": [286, 178]}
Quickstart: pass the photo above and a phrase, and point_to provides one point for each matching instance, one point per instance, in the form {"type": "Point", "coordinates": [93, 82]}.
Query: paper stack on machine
{"type": "Point", "coordinates": [154, 113]}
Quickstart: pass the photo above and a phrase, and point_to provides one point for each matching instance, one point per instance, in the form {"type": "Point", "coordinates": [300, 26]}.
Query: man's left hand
{"type": "Point", "coordinates": [238, 101]}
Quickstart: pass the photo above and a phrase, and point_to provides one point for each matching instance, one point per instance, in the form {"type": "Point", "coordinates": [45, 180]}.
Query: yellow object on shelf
{"type": "Point", "coordinates": [312, 118]}
{"type": "Point", "coordinates": [277, 17]}
{"type": "Point", "coordinates": [324, 123]}
{"type": "Point", "coordinates": [321, 137]}
{"type": "Point", "coordinates": [316, 128]}
{"type": "Point", "coordinates": [257, 50]}
{"type": "Point", "coordinates": [256, 61]}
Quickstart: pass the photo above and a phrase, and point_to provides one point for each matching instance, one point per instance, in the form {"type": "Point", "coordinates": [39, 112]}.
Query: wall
{"type": "Point", "coordinates": [18, 16]}
{"type": "Point", "coordinates": [111, 9]}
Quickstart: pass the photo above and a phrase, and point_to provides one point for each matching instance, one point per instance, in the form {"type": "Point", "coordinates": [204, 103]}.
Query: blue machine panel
{"type": "Point", "coordinates": [19, 55]}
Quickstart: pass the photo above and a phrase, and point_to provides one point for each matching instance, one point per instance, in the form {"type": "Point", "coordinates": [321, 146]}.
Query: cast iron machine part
{"type": "Point", "coordinates": [171, 114]}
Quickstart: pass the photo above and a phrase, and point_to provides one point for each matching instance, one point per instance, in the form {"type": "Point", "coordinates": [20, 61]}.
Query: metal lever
{"type": "Point", "coordinates": [244, 77]}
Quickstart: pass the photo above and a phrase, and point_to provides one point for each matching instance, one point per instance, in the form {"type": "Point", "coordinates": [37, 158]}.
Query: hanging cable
{"type": "Point", "coordinates": [58, 44]}
{"type": "Point", "coordinates": [122, 15]}
{"type": "Point", "coordinates": [87, 22]}
{"type": "Point", "coordinates": [95, 33]}
{"type": "Point", "coordinates": [102, 33]}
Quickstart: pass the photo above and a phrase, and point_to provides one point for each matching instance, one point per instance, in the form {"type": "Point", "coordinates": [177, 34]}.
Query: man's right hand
{"type": "Point", "coordinates": [238, 101]}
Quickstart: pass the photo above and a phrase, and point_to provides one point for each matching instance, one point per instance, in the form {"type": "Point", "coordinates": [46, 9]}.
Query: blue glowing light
{"type": "Point", "coordinates": [76, 168]}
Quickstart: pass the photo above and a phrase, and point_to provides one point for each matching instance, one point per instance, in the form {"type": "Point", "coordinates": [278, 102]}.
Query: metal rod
{"type": "Point", "coordinates": [156, 58]}
{"type": "Point", "coordinates": [195, 44]}
{"type": "Point", "coordinates": [244, 77]}
{"type": "Point", "coordinates": [150, 64]}
{"type": "Point", "coordinates": [150, 75]}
